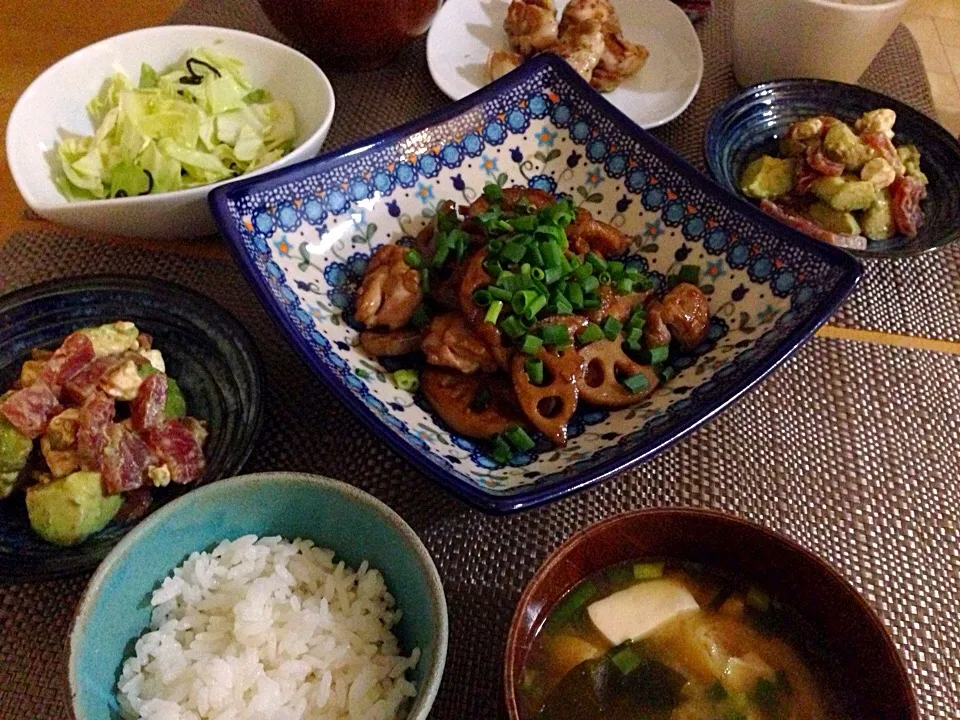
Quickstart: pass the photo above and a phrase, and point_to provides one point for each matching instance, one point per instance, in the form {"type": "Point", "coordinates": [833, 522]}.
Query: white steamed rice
{"type": "Point", "coordinates": [268, 630]}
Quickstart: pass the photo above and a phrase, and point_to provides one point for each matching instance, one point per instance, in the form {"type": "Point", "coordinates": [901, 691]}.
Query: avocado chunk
{"type": "Point", "coordinates": [844, 193]}
{"type": "Point", "coordinates": [877, 220]}
{"type": "Point", "coordinates": [69, 510]}
{"type": "Point", "coordinates": [768, 177]}
{"type": "Point", "coordinates": [15, 448]}
{"type": "Point", "coordinates": [910, 157]}
{"type": "Point", "coordinates": [835, 221]}
{"type": "Point", "coordinates": [843, 145]}
{"type": "Point", "coordinates": [112, 338]}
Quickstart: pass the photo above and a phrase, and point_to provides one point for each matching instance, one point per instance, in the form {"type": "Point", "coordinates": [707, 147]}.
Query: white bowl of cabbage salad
{"type": "Point", "coordinates": [128, 136]}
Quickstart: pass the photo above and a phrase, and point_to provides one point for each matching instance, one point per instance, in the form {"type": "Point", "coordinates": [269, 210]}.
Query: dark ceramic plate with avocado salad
{"type": "Point", "coordinates": [752, 124]}
{"type": "Point", "coordinates": [195, 375]}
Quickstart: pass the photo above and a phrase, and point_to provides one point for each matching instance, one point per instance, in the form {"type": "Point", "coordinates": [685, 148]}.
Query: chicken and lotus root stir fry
{"type": "Point", "coordinates": [522, 311]}
{"type": "Point", "coordinates": [89, 428]}
{"type": "Point", "coordinates": [588, 36]}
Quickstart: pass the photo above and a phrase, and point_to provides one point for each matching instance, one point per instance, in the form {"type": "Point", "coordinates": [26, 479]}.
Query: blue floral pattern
{"type": "Point", "coordinates": [301, 249]}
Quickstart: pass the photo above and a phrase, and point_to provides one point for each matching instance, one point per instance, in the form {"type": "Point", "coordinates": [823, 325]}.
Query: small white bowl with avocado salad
{"type": "Point", "coordinates": [127, 136]}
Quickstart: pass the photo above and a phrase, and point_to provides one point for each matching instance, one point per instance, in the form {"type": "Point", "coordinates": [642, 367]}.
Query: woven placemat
{"type": "Point", "coordinates": [834, 467]}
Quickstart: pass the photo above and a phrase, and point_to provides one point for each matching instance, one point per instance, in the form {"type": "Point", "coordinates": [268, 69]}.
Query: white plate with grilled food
{"type": "Point", "coordinates": [654, 36]}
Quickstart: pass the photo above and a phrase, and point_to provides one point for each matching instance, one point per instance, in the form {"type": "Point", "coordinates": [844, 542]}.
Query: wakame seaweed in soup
{"type": "Point", "coordinates": [656, 640]}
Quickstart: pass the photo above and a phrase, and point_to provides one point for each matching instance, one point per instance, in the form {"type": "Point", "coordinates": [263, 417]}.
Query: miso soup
{"type": "Point", "coordinates": [658, 640]}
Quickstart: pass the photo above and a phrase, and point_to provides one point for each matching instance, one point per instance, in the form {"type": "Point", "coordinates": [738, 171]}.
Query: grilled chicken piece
{"type": "Point", "coordinates": [390, 291]}
{"type": "Point", "coordinates": [686, 311]}
{"type": "Point", "coordinates": [581, 45]}
{"type": "Point", "coordinates": [531, 25]}
{"type": "Point", "coordinates": [586, 233]}
{"type": "Point", "coordinates": [449, 342]}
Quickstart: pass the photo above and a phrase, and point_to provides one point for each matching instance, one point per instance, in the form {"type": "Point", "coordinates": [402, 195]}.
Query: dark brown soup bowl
{"type": "Point", "coordinates": [352, 34]}
{"type": "Point", "coordinates": [868, 674]}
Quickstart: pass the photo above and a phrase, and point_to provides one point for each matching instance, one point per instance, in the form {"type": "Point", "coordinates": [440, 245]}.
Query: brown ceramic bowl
{"type": "Point", "coordinates": [866, 666]}
{"type": "Point", "coordinates": [352, 34]}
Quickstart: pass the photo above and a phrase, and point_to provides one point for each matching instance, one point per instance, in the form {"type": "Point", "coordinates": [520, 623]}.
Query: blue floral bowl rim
{"type": "Point", "coordinates": [534, 495]}
{"type": "Point", "coordinates": [930, 125]}
{"type": "Point", "coordinates": [426, 695]}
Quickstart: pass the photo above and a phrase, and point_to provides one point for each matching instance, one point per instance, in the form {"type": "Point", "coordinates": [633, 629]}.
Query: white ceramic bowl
{"type": "Point", "coordinates": [56, 101]}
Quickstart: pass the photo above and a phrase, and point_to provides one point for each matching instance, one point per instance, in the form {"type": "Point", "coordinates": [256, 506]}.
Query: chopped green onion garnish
{"type": "Point", "coordinates": [534, 257]}
{"type": "Point", "coordinates": [513, 327]}
{"type": "Point", "coordinates": [501, 451]}
{"type": "Point", "coordinates": [534, 368]}
{"type": "Point", "coordinates": [638, 319]}
{"type": "Point", "coordinates": [590, 284]}
{"type": "Point", "coordinates": [537, 273]}
{"type": "Point", "coordinates": [551, 233]}
{"type": "Point", "coordinates": [591, 303]}
{"type": "Point", "coordinates": [605, 278]}
{"type": "Point", "coordinates": [442, 252]}
{"type": "Point", "coordinates": [672, 281]}
{"type": "Point", "coordinates": [551, 254]}
{"type": "Point", "coordinates": [565, 265]}
{"type": "Point", "coordinates": [690, 274]}
{"type": "Point", "coordinates": [648, 571]}
{"type": "Point", "coordinates": [524, 223]}
{"type": "Point", "coordinates": [493, 268]}
{"type": "Point", "coordinates": [571, 604]}
{"type": "Point", "coordinates": [633, 338]}
{"type": "Point", "coordinates": [585, 270]}
{"type": "Point", "coordinates": [627, 660]}
{"type": "Point", "coordinates": [556, 335]}
{"type": "Point", "coordinates": [591, 333]}
{"type": "Point", "coordinates": [420, 319]}
{"type": "Point", "coordinates": [407, 380]}
{"type": "Point", "coordinates": [518, 437]}
{"type": "Point", "coordinates": [667, 373]}
{"type": "Point", "coordinates": [497, 293]}
{"type": "Point", "coordinates": [636, 383]}
{"type": "Point", "coordinates": [531, 344]}
{"type": "Point", "coordinates": [522, 299]}
{"type": "Point", "coordinates": [657, 355]}
{"type": "Point", "coordinates": [612, 327]}
{"type": "Point", "coordinates": [412, 258]}
{"type": "Point", "coordinates": [575, 293]}
{"type": "Point", "coordinates": [615, 268]}
{"type": "Point", "coordinates": [538, 304]}
{"type": "Point", "coordinates": [514, 251]}
{"type": "Point", "coordinates": [493, 192]}
{"type": "Point", "coordinates": [598, 262]}
{"type": "Point", "coordinates": [425, 280]}
{"type": "Point", "coordinates": [493, 312]}
{"type": "Point", "coordinates": [624, 285]}
{"type": "Point", "coordinates": [552, 275]}
{"type": "Point", "coordinates": [757, 599]}
{"type": "Point", "coordinates": [495, 246]}
{"type": "Point", "coordinates": [564, 306]}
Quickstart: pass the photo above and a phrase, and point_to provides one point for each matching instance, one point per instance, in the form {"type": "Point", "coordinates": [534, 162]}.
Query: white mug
{"type": "Point", "coordinates": [829, 39]}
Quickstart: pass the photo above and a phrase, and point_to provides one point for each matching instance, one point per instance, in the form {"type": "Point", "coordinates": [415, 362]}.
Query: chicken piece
{"type": "Point", "coordinates": [390, 344]}
{"type": "Point", "coordinates": [390, 291]}
{"type": "Point", "coordinates": [448, 341]}
{"type": "Point", "coordinates": [531, 25]}
{"type": "Point", "coordinates": [686, 312]}
{"type": "Point", "coordinates": [500, 62]}
{"type": "Point", "coordinates": [613, 304]}
{"type": "Point", "coordinates": [581, 45]}
{"type": "Point", "coordinates": [621, 60]}
{"type": "Point", "coordinates": [586, 233]}
{"type": "Point", "coordinates": [470, 404]}
{"type": "Point", "coordinates": [578, 11]}
{"type": "Point", "coordinates": [655, 331]}
{"type": "Point", "coordinates": [59, 444]}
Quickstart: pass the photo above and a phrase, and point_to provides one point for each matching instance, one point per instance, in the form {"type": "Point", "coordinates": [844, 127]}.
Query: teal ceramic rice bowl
{"type": "Point", "coordinates": [115, 609]}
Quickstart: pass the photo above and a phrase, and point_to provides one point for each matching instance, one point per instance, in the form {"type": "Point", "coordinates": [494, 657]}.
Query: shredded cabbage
{"type": "Point", "coordinates": [195, 123]}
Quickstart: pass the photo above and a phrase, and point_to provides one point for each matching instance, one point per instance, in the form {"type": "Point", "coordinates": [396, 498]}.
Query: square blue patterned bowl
{"type": "Point", "coordinates": [303, 236]}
